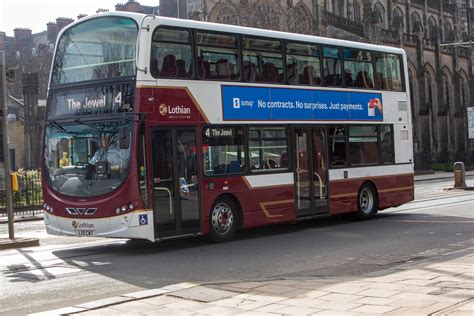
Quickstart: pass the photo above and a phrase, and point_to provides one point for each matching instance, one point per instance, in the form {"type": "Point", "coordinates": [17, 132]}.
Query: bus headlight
{"type": "Point", "coordinates": [124, 208]}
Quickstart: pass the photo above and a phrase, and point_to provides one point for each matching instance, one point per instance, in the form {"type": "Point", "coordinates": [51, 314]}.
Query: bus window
{"type": "Point", "coordinates": [388, 67]}
{"type": "Point", "coordinates": [302, 64]}
{"type": "Point", "coordinates": [386, 147]}
{"type": "Point", "coordinates": [337, 146]}
{"type": "Point", "coordinates": [268, 148]}
{"type": "Point", "coordinates": [358, 68]}
{"type": "Point", "coordinates": [217, 56]}
{"type": "Point", "coordinates": [263, 60]}
{"type": "Point", "coordinates": [363, 145]}
{"type": "Point", "coordinates": [99, 49]}
{"type": "Point", "coordinates": [223, 150]}
{"type": "Point", "coordinates": [332, 66]}
{"type": "Point", "coordinates": [171, 53]}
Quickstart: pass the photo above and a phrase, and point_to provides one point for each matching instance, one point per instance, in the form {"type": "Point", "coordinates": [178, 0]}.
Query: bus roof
{"type": "Point", "coordinates": [216, 27]}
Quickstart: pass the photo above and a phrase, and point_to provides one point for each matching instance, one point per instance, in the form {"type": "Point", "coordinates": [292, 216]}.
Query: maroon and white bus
{"type": "Point", "coordinates": [160, 128]}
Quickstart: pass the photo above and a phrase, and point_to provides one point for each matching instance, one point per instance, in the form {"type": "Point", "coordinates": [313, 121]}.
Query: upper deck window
{"type": "Point", "coordinates": [358, 68]}
{"type": "Point", "coordinates": [217, 56]}
{"type": "Point", "coordinates": [332, 66]}
{"type": "Point", "coordinates": [389, 76]}
{"type": "Point", "coordinates": [171, 53]}
{"type": "Point", "coordinates": [302, 64]}
{"type": "Point", "coordinates": [96, 49]}
{"type": "Point", "coordinates": [263, 60]}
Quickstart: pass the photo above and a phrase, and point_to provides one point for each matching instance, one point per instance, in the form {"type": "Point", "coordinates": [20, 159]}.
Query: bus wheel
{"type": "Point", "coordinates": [223, 220]}
{"type": "Point", "coordinates": [367, 201]}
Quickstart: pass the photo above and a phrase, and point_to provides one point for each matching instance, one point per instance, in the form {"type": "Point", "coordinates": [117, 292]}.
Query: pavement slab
{"type": "Point", "coordinates": [203, 294]}
{"type": "Point", "coordinates": [7, 243]}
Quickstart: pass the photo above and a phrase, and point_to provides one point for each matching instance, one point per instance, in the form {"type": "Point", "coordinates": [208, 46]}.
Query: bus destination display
{"type": "Point", "coordinates": [92, 101]}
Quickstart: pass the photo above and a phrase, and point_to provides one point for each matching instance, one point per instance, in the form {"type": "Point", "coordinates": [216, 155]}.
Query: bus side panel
{"type": "Point", "coordinates": [260, 206]}
{"type": "Point", "coordinates": [392, 190]}
{"type": "Point", "coordinates": [399, 194]}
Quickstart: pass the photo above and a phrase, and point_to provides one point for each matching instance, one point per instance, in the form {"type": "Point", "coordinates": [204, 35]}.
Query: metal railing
{"type": "Point", "coordinates": [28, 199]}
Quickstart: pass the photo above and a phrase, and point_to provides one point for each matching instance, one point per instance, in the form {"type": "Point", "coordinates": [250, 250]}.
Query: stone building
{"type": "Point", "coordinates": [440, 76]}
{"type": "Point", "coordinates": [28, 55]}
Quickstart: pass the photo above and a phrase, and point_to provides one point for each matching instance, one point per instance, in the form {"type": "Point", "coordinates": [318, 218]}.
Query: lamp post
{"type": "Point", "coordinates": [6, 156]}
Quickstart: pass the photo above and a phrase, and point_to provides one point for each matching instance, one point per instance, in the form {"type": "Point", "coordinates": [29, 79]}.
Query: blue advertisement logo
{"type": "Point", "coordinates": [281, 104]}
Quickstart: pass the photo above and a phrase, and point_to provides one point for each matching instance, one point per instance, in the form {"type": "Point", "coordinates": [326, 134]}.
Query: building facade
{"type": "Point", "coordinates": [440, 75]}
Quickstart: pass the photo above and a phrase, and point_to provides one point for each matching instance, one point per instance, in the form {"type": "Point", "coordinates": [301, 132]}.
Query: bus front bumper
{"type": "Point", "coordinates": [135, 225]}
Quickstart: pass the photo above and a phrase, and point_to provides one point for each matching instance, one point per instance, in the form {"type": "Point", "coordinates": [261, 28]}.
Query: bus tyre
{"type": "Point", "coordinates": [367, 201]}
{"type": "Point", "coordinates": [223, 220]}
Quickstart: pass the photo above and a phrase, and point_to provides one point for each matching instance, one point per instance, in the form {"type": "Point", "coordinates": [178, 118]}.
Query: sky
{"type": "Point", "coordinates": [34, 14]}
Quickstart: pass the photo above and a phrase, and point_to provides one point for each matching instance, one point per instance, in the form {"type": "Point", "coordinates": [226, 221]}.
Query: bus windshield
{"type": "Point", "coordinates": [87, 158]}
{"type": "Point", "coordinates": [96, 49]}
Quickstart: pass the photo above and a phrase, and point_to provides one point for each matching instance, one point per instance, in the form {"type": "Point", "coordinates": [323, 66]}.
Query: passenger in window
{"type": "Point", "coordinates": [269, 73]}
{"type": "Point", "coordinates": [348, 78]}
{"type": "Point", "coordinates": [207, 69]}
{"type": "Point", "coordinates": [169, 69]}
{"type": "Point", "coordinates": [363, 80]}
{"type": "Point", "coordinates": [292, 74]}
{"type": "Point", "coordinates": [223, 69]}
{"type": "Point", "coordinates": [284, 160]}
{"type": "Point", "coordinates": [181, 65]}
{"type": "Point", "coordinates": [155, 72]}
{"type": "Point", "coordinates": [200, 68]}
{"type": "Point", "coordinates": [250, 72]}
{"type": "Point", "coordinates": [309, 76]}
{"type": "Point", "coordinates": [270, 164]}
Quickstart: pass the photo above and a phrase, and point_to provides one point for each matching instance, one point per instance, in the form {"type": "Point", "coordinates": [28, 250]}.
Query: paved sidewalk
{"type": "Point", "coordinates": [440, 286]}
{"type": "Point", "coordinates": [443, 175]}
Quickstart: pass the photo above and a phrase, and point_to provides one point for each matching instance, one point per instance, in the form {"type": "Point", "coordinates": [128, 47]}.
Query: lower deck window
{"type": "Point", "coordinates": [223, 150]}
{"type": "Point", "coordinates": [363, 145]}
{"type": "Point", "coordinates": [268, 148]}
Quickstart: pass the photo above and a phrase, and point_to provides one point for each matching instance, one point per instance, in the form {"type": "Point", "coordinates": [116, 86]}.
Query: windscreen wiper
{"type": "Point", "coordinates": [88, 124]}
{"type": "Point", "coordinates": [56, 125]}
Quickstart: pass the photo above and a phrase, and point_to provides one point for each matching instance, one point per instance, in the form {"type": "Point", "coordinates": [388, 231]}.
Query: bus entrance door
{"type": "Point", "coordinates": [310, 172]}
{"type": "Point", "coordinates": [175, 182]}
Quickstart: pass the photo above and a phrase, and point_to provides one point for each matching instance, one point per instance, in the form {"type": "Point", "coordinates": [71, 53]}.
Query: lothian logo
{"type": "Point", "coordinates": [163, 109]}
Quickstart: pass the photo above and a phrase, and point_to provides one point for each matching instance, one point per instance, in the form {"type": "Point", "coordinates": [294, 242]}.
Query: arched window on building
{"type": "Point", "coordinates": [416, 24]}
{"type": "Point", "coordinates": [446, 94]}
{"type": "Point", "coordinates": [356, 11]}
{"type": "Point", "coordinates": [380, 14]}
{"type": "Point", "coordinates": [430, 100]}
{"type": "Point", "coordinates": [428, 91]}
{"type": "Point", "coordinates": [225, 14]}
{"type": "Point", "coordinates": [448, 32]}
{"type": "Point", "coordinates": [299, 19]}
{"type": "Point", "coordinates": [432, 29]}
{"type": "Point", "coordinates": [398, 20]}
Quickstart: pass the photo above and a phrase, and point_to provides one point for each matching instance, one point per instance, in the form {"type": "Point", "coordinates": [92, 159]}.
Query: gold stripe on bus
{"type": "Point", "coordinates": [250, 187]}
{"type": "Point", "coordinates": [334, 196]}
{"type": "Point", "coordinates": [264, 206]}
{"type": "Point", "coordinates": [397, 189]}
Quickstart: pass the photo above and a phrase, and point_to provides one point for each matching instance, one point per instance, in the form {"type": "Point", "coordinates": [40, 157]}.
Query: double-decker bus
{"type": "Point", "coordinates": [160, 128]}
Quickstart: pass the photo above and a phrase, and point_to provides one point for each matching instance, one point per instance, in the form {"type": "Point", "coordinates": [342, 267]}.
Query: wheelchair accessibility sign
{"type": "Point", "coordinates": [143, 219]}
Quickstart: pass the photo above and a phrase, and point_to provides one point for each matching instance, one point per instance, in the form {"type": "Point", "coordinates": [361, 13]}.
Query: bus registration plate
{"type": "Point", "coordinates": [85, 232]}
